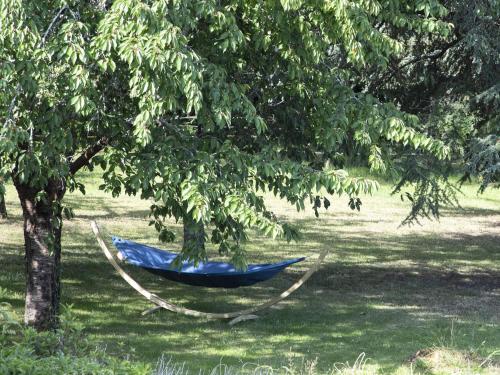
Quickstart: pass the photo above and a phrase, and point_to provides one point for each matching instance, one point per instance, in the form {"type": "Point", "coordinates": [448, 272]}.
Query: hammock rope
{"type": "Point", "coordinates": [240, 315]}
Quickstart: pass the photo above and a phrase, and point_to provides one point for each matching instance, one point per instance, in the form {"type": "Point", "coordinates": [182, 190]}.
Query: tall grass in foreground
{"type": "Point", "coordinates": [68, 351]}
{"type": "Point", "coordinates": [434, 361]}
{"type": "Point", "coordinates": [440, 358]}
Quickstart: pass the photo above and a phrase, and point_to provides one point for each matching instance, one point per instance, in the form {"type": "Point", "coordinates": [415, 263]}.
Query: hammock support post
{"type": "Point", "coordinates": [235, 316]}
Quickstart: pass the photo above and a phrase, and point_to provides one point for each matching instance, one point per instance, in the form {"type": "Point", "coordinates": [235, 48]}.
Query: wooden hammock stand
{"type": "Point", "coordinates": [235, 316]}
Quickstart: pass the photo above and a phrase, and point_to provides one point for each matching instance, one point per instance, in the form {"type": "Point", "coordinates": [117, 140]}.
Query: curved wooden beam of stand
{"type": "Point", "coordinates": [182, 310]}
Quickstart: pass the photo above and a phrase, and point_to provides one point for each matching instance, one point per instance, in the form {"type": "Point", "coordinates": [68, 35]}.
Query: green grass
{"type": "Point", "coordinates": [383, 290]}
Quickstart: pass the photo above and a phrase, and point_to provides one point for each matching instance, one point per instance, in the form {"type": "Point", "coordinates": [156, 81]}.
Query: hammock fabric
{"type": "Point", "coordinates": [208, 274]}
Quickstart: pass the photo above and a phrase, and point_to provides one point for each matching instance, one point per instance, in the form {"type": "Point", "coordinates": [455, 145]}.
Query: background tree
{"type": "Point", "coordinates": [451, 82]}
{"type": "Point", "coordinates": [199, 105]}
{"type": "Point", "coordinates": [3, 208]}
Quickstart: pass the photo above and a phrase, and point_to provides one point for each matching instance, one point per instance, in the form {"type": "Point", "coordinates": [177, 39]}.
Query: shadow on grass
{"type": "Point", "coordinates": [384, 294]}
{"type": "Point", "coordinates": [468, 211]}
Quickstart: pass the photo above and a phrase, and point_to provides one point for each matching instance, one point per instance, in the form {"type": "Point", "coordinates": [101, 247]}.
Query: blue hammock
{"type": "Point", "coordinates": [209, 274]}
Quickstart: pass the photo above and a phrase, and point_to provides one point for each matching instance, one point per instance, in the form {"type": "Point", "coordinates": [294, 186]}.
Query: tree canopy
{"type": "Point", "coordinates": [199, 106]}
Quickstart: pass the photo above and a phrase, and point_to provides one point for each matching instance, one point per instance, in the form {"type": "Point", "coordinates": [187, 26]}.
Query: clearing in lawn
{"type": "Point", "coordinates": [386, 291]}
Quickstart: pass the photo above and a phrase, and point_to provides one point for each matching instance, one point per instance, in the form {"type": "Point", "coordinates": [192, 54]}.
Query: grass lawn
{"type": "Point", "coordinates": [383, 290]}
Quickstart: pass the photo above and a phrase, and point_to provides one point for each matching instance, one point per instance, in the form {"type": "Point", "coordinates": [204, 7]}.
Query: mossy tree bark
{"type": "Point", "coordinates": [42, 242]}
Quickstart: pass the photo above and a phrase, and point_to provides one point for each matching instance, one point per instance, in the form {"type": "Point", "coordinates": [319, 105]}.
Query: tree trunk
{"type": "Point", "coordinates": [194, 236]}
{"type": "Point", "coordinates": [42, 241]}
{"type": "Point", "coordinates": [3, 209]}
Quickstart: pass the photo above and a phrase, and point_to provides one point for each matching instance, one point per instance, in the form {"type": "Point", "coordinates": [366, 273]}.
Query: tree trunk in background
{"type": "Point", "coordinates": [42, 241]}
{"type": "Point", "coordinates": [194, 235]}
{"type": "Point", "coordinates": [3, 209]}
{"type": "Point", "coordinates": [56, 301]}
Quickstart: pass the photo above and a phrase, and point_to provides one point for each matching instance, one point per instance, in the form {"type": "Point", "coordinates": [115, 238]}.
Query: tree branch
{"type": "Point", "coordinates": [428, 56]}
{"type": "Point", "coordinates": [51, 25]}
{"type": "Point", "coordinates": [88, 154]}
